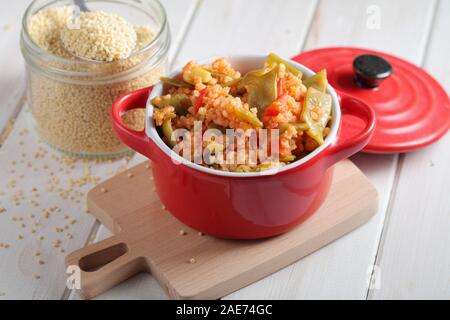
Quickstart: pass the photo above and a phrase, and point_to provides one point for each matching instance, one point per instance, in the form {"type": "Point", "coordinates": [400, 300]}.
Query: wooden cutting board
{"type": "Point", "coordinates": [192, 266]}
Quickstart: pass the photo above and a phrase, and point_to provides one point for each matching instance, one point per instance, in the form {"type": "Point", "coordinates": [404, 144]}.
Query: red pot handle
{"type": "Point", "coordinates": [344, 146]}
{"type": "Point", "coordinates": [136, 140]}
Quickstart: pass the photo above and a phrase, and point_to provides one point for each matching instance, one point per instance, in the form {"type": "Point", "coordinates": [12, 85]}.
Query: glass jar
{"type": "Point", "coordinates": [71, 98]}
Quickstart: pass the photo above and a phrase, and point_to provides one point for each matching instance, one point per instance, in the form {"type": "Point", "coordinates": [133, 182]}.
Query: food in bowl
{"type": "Point", "coordinates": [250, 205]}
{"type": "Point", "coordinates": [274, 102]}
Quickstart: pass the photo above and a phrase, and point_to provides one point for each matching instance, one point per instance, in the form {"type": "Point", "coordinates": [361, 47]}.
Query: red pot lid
{"type": "Point", "coordinates": [412, 109]}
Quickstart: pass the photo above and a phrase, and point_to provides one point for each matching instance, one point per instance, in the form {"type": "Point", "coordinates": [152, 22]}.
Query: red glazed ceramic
{"type": "Point", "coordinates": [243, 205]}
{"type": "Point", "coordinates": [412, 108]}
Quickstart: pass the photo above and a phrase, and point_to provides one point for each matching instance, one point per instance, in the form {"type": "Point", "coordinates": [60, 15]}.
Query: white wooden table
{"type": "Point", "coordinates": [404, 250]}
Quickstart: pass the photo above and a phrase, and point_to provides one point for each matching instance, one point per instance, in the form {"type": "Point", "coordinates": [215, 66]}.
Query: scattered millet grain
{"type": "Point", "coordinates": [130, 175]}
{"type": "Point", "coordinates": [201, 234]}
{"type": "Point", "coordinates": [135, 119]}
{"type": "Point", "coordinates": [101, 36]}
{"type": "Point", "coordinates": [192, 261]}
{"type": "Point", "coordinates": [12, 184]}
{"type": "Point", "coordinates": [56, 243]}
{"type": "Point", "coordinates": [103, 190]}
{"type": "Point", "coordinates": [6, 131]}
{"type": "Point", "coordinates": [183, 233]}
{"type": "Point", "coordinates": [73, 114]}
{"type": "Point", "coordinates": [41, 262]}
{"type": "Point", "coordinates": [2, 210]}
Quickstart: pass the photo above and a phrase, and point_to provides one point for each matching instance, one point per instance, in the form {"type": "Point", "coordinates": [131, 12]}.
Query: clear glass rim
{"type": "Point", "coordinates": [67, 61]}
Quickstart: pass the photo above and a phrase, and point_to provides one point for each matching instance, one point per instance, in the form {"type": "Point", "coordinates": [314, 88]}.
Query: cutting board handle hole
{"type": "Point", "coordinates": [99, 259]}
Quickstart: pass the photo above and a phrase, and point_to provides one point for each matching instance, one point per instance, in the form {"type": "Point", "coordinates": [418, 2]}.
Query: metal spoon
{"type": "Point", "coordinates": [82, 5]}
{"type": "Point", "coordinates": [83, 8]}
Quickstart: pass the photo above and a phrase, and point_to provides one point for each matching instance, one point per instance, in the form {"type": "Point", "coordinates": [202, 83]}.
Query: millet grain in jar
{"type": "Point", "coordinates": [72, 107]}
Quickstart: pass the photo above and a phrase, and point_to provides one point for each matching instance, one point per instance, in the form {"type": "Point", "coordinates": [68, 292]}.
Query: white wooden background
{"type": "Point", "coordinates": [404, 249]}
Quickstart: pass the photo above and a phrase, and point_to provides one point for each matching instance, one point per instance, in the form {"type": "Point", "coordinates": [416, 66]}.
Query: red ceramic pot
{"type": "Point", "coordinates": [244, 205]}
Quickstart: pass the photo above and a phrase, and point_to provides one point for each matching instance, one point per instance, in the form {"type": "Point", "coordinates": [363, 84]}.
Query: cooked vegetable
{"type": "Point", "coordinates": [216, 73]}
{"type": "Point", "coordinates": [298, 126]}
{"type": "Point", "coordinates": [261, 86]}
{"type": "Point", "coordinates": [271, 98]}
{"type": "Point", "coordinates": [272, 110]}
{"type": "Point", "coordinates": [318, 81]}
{"type": "Point", "coordinates": [180, 102]}
{"type": "Point", "coordinates": [289, 158]}
{"type": "Point", "coordinates": [167, 132]}
{"type": "Point", "coordinates": [316, 113]}
{"type": "Point", "coordinates": [197, 72]}
{"type": "Point", "coordinates": [273, 59]}
{"type": "Point", "coordinates": [201, 99]}
{"type": "Point", "coordinates": [248, 116]}
{"type": "Point", "coordinates": [280, 88]}
{"type": "Point", "coordinates": [177, 82]}
{"type": "Point", "coordinates": [232, 82]}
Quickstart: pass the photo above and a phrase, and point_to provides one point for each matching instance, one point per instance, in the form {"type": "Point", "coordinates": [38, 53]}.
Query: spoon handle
{"type": "Point", "coordinates": [82, 5]}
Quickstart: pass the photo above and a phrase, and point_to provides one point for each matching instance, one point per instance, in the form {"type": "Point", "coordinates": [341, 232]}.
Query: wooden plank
{"type": "Point", "coordinates": [342, 269]}
{"type": "Point", "coordinates": [224, 20]}
{"type": "Point", "coordinates": [247, 27]}
{"type": "Point", "coordinates": [12, 80]}
{"type": "Point", "coordinates": [25, 163]}
{"type": "Point", "coordinates": [415, 257]}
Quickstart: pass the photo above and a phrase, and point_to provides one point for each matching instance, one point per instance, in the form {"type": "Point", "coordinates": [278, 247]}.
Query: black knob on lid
{"type": "Point", "coordinates": [371, 70]}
